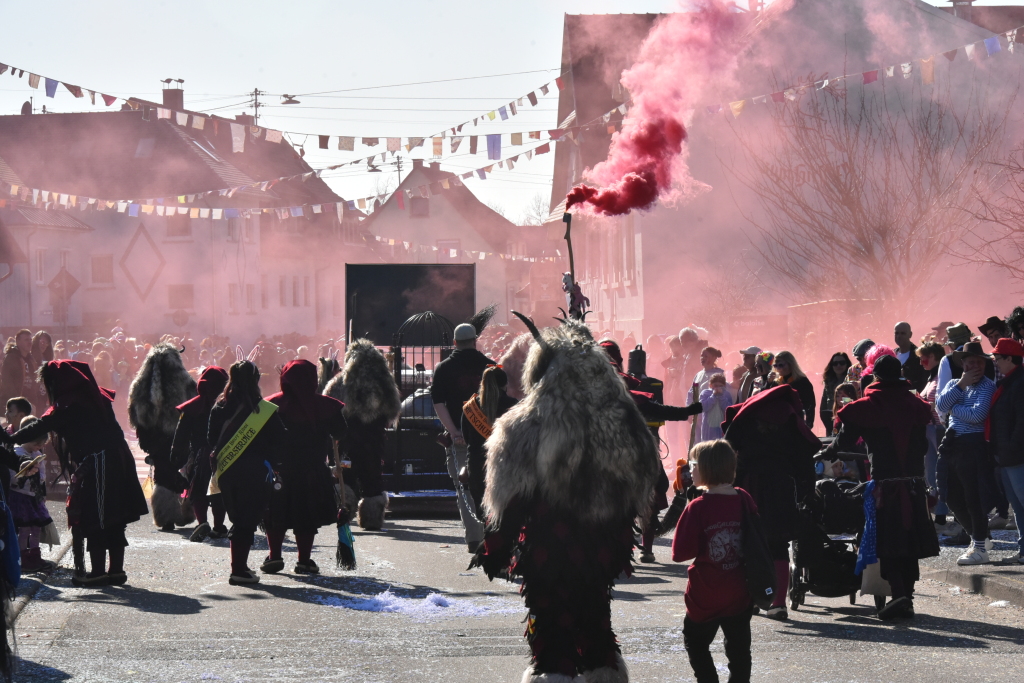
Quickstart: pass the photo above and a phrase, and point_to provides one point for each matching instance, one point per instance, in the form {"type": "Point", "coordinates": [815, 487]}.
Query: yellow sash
{"type": "Point", "coordinates": [240, 440]}
{"type": "Point", "coordinates": [475, 414]}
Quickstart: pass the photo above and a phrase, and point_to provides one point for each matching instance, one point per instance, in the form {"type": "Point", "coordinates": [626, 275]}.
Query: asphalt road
{"type": "Point", "coordinates": [430, 619]}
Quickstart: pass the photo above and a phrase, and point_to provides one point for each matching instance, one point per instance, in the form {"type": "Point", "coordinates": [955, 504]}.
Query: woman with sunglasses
{"type": "Point", "coordinates": [833, 375]}
{"type": "Point", "coordinates": [788, 372]}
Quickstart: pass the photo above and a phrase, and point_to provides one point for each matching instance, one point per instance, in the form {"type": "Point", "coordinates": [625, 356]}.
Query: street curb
{"type": "Point", "coordinates": [36, 581]}
{"type": "Point", "coordinates": [988, 585]}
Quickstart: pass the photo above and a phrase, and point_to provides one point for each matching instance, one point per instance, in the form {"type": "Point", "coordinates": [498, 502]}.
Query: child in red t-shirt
{"type": "Point", "coordinates": [716, 590]}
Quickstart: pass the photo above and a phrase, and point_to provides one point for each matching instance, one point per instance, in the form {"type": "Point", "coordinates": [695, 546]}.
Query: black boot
{"type": "Point", "coordinates": [78, 553]}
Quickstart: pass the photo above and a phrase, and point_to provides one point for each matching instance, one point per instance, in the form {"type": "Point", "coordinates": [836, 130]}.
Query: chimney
{"type": "Point", "coordinates": [246, 119]}
{"type": "Point", "coordinates": [435, 165]}
{"type": "Point", "coordinates": [417, 163]}
{"type": "Point", "coordinates": [174, 98]}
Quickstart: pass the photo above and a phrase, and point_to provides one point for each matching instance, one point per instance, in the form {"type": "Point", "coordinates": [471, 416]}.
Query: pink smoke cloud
{"type": "Point", "coordinates": [683, 55]}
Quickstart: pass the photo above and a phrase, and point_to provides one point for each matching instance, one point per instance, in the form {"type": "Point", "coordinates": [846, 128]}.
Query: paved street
{"type": "Point", "coordinates": [412, 612]}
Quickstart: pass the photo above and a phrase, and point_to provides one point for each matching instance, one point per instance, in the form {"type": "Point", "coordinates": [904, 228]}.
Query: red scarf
{"type": "Point", "coordinates": [995, 397]}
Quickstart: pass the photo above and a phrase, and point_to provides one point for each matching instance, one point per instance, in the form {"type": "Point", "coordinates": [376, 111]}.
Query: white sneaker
{"type": "Point", "coordinates": [974, 555]}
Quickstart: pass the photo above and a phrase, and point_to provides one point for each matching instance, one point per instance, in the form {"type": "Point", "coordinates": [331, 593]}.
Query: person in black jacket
{"type": "Point", "coordinates": [305, 501]}
{"type": "Point", "coordinates": [775, 451]}
{"type": "Point", "coordinates": [104, 495]}
{"type": "Point", "coordinates": [1006, 427]}
{"type": "Point", "coordinates": [906, 353]}
{"type": "Point", "coordinates": [478, 416]}
{"type": "Point", "coordinates": [789, 372]}
{"type": "Point", "coordinates": [246, 484]}
{"type": "Point", "coordinates": [892, 421]}
{"type": "Point", "coordinates": [191, 450]}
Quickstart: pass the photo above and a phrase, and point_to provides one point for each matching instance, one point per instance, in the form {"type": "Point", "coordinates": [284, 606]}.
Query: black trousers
{"type": "Point", "coordinates": [901, 573]}
{"type": "Point", "coordinates": [698, 636]}
{"type": "Point", "coordinates": [967, 461]}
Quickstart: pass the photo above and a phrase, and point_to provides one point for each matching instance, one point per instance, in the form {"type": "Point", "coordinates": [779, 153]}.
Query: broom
{"type": "Point", "coordinates": [346, 553]}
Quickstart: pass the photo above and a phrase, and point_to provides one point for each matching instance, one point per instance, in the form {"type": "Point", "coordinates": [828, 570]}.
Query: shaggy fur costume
{"type": "Point", "coordinates": [370, 514]}
{"type": "Point", "coordinates": [161, 385]}
{"type": "Point", "coordinates": [568, 469]}
{"type": "Point", "coordinates": [170, 508]}
{"type": "Point", "coordinates": [366, 384]}
{"type": "Point", "coordinates": [513, 362]}
{"type": "Point", "coordinates": [372, 403]}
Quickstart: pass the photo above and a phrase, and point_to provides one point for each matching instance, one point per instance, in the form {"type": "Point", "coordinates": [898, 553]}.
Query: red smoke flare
{"type": "Point", "coordinates": [652, 147]}
{"type": "Point", "coordinates": [685, 58]}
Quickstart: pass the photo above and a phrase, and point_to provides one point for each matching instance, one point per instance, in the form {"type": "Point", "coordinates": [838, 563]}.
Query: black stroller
{"type": "Point", "coordinates": [824, 554]}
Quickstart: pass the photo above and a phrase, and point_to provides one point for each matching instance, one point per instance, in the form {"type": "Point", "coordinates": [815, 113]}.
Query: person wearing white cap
{"type": "Point", "coordinates": [456, 379]}
{"type": "Point", "coordinates": [746, 387]}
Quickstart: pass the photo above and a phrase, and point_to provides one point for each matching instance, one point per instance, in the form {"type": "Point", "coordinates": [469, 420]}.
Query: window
{"type": "Point", "coordinates": [250, 298]}
{"type": "Point", "coordinates": [305, 290]}
{"type": "Point", "coordinates": [180, 297]}
{"type": "Point", "coordinates": [233, 297]}
{"type": "Point", "coordinates": [284, 290]}
{"type": "Point", "coordinates": [336, 301]}
{"type": "Point", "coordinates": [295, 291]}
{"type": "Point", "coordinates": [64, 255]}
{"type": "Point", "coordinates": [233, 228]}
{"type": "Point", "coordinates": [264, 292]}
{"type": "Point", "coordinates": [448, 251]}
{"type": "Point", "coordinates": [103, 269]}
{"type": "Point", "coordinates": [179, 225]}
{"type": "Point", "coordinates": [40, 262]}
{"type": "Point", "coordinates": [419, 207]}
{"type": "Point", "coordinates": [250, 230]}
{"type": "Point", "coordinates": [145, 148]}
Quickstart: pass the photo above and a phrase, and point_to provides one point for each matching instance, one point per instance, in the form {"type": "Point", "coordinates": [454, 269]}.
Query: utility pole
{"type": "Point", "coordinates": [398, 165]}
{"type": "Point", "coordinates": [256, 105]}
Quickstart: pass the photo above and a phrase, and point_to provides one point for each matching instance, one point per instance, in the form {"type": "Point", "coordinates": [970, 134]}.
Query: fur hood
{"type": "Point", "coordinates": [162, 384]}
{"type": "Point", "coordinates": [366, 384]}
{"type": "Point", "coordinates": [577, 440]}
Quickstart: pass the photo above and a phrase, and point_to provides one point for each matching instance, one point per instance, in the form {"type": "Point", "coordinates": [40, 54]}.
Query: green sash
{"type": "Point", "coordinates": [241, 439]}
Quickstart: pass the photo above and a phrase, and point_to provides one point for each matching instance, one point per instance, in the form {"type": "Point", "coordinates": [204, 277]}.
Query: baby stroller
{"type": "Point", "coordinates": [824, 554]}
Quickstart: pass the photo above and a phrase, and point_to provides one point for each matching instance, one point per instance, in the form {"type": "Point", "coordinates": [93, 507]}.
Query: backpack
{"type": "Point", "coordinates": [758, 565]}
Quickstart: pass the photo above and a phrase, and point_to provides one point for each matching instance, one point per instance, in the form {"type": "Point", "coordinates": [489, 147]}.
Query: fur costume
{"type": "Point", "coordinates": [372, 402]}
{"type": "Point", "coordinates": [513, 362]}
{"type": "Point", "coordinates": [568, 469]}
{"type": "Point", "coordinates": [161, 385]}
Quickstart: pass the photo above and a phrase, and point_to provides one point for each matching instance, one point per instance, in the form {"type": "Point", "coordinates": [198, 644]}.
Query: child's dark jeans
{"type": "Point", "coordinates": [698, 636]}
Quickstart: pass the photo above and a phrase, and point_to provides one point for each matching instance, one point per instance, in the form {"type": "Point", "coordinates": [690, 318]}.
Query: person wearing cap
{"type": "Point", "coordinates": [967, 401]}
{"type": "Point", "coordinates": [995, 329]}
{"type": "Point", "coordinates": [455, 380]}
{"type": "Point", "coordinates": [956, 336]}
{"type": "Point", "coordinates": [905, 353]}
{"type": "Point", "coordinates": [746, 387]}
{"type": "Point", "coordinates": [1005, 428]}
{"type": "Point", "coordinates": [860, 351]}
{"type": "Point", "coordinates": [892, 420]}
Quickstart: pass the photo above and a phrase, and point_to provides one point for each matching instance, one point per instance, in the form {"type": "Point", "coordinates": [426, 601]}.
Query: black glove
{"type": "Point", "coordinates": [695, 408]}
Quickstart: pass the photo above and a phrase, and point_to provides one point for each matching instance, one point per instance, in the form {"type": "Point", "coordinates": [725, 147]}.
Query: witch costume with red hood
{"type": "Point", "coordinates": [306, 500]}
{"type": "Point", "coordinates": [104, 495]}
{"type": "Point", "coordinates": [191, 450]}
{"type": "Point", "coordinates": [774, 464]}
{"type": "Point", "coordinates": [892, 421]}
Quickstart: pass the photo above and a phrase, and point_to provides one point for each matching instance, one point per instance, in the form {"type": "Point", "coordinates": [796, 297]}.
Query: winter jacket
{"type": "Point", "coordinates": [1007, 421]}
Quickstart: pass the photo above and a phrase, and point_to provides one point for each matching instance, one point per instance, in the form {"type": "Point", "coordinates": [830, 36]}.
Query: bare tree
{"type": "Point", "coordinates": [859, 191]}
{"type": "Point", "coordinates": [536, 211]}
{"type": "Point", "coordinates": [725, 293]}
{"type": "Point", "coordinates": [998, 237]}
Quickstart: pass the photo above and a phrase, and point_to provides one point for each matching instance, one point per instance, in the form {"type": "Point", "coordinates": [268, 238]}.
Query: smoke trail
{"type": "Point", "coordinates": [682, 56]}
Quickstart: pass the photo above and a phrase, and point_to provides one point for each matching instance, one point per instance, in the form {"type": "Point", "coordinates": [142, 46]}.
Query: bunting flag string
{"type": "Point", "coordinates": [344, 142]}
{"type": "Point", "coordinates": [605, 121]}
{"type": "Point", "coordinates": [925, 66]}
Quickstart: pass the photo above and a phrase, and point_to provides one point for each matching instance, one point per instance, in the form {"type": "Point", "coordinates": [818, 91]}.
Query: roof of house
{"type": "Point", "coordinates": [134, 155]}
{"type": "Point", "coordinates": [995, 18]}
{"type": "Point", "coordinates": [494, 228]}
{"type": "Point", "coordinates": [63, 220]}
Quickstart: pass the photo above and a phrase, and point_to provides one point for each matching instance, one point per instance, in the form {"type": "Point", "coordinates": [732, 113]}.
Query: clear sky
{"type": "Point", "coordinates": [224, 50]}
